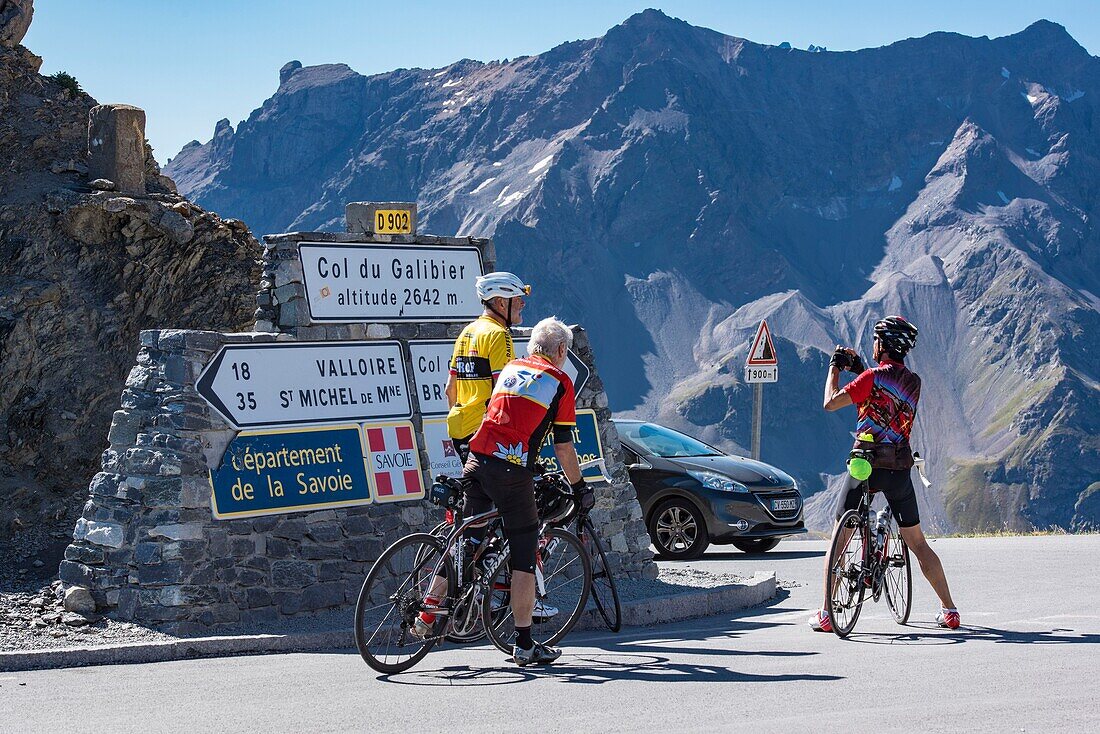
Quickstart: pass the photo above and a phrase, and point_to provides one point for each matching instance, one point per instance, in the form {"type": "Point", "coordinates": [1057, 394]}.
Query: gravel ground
{"type": "Point", "coordinates": [37, 620]}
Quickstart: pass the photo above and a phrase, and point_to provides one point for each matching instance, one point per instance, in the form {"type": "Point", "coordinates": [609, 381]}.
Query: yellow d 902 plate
{"type": "Point", "coordinates": [392, 221]}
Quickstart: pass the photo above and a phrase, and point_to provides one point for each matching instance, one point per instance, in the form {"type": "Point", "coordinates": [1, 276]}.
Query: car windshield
{"type": "Point", "coordinates": [665, 442]}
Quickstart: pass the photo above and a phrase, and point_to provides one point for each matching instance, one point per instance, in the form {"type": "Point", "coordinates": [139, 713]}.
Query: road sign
{"type": "Point", "coordinates": [375, 282]}
{"type": "Point", "coordinates": [766, 373]}
{"type": "Point", "coordinates": [576, 369]}
{"type": "Point", "coordinates": [290, 470]}
{"type": "Point", "coordinates": [281, 384]}
{"type": "Point", "coordinates": [393, 461]}
{"type": "Point", "coordinates": [762, 351]}
{"type": "Point", "coordinates": [760, 367]}
{"type": "Point", "coordinates": [442, 457]}
{"type": "Point", "coordinates": [431, 360]}
{"type": "Point", "coordinates": [586, 440]}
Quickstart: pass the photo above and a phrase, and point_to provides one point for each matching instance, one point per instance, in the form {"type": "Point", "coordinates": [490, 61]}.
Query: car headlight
{"type": "Point", "coordinates": [721, 482]}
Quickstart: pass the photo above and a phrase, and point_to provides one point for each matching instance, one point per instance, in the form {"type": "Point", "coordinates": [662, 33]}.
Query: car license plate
{"type": "Point", "coordinates": [779, 505]}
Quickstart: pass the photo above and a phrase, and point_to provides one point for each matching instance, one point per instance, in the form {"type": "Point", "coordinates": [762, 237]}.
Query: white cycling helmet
{"type": "Point", "coordinates": [502, 284]}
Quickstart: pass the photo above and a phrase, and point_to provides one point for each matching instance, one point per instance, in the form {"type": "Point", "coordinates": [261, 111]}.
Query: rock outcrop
{"type": "Point", "coordinates": [670, 186]}
{"type": "Point", "coordinates": [15, 20]}
{"type": "Point", "coordinates": [85, 268]}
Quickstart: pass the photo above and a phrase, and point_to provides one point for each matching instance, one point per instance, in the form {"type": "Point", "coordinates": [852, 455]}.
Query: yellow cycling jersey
{"type": "Point", "coordinates": [480, 353]}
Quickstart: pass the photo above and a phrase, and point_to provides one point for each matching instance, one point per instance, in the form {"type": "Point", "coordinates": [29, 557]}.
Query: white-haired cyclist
{"type": "Point", "coordinates": [532, 397]}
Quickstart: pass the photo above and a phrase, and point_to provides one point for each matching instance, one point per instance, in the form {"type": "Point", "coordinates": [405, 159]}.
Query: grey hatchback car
{"type": "Point", "coordinates": [693, 495]}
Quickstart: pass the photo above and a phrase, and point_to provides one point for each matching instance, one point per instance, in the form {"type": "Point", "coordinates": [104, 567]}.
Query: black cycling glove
{"type": "Point", "coordinates": [845, 359]}
{"type": "Point", "coordinates": [584, 496]}
{"type": "Point", "coordinates": [841, 359]}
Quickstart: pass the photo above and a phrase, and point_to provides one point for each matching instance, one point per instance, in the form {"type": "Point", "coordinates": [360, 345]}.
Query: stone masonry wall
{"type": "Point", "coordinates": [147, 545]}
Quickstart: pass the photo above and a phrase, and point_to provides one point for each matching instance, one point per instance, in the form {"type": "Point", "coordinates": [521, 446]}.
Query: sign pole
{"type": "Point", "coordinates": [761, 366]}
{"type": "Point", "coordinates": [757, 416]}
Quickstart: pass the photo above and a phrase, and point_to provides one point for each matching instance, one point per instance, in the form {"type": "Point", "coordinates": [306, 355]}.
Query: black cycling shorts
{"type": "Point", "coordinates": [896, 484]}
{"type": "Point", "coordinates": [512, 489]}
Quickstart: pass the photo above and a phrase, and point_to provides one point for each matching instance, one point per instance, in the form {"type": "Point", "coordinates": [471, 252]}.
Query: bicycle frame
{"type": "Point", "coordinates": [454, 554]}
{"type": "Point", "coordinates": [875, 559]}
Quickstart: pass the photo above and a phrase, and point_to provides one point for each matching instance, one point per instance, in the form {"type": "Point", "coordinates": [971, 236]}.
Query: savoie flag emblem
{"type": "Point", "coordinates": [393, 460]}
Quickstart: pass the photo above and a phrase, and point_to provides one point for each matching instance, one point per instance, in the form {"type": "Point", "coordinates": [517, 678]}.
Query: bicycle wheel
{"type": "Point", "coordinates": [899, 579]}
{"type": "Point", "coordinates": [604, 592]}
{"type": "Point", "coordinates": [391, 597]}
{"type": "Point", "coordinates": [847, 561]}
{"type": "Point", "coordinates": [566, 578]}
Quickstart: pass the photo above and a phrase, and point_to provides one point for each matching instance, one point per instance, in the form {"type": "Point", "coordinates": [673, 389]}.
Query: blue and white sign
{"type": "Point", "coordinates": [290, 470]}
{"type": "Point", "coordinates": [586, 439]}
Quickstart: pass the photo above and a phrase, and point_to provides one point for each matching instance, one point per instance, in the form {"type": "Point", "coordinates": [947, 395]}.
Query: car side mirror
{"type": "Point", "coordinates": [642, 464]}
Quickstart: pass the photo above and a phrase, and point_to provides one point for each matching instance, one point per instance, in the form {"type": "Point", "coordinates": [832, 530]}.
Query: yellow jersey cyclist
{"type": "Point", "coordinates": [886, 396]}
{"type": "Point", "coordinates": [480, 353]}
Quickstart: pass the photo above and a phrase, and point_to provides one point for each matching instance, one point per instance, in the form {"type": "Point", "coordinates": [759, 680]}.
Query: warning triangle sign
{"type": "Point", "coordinates": [762, 351]}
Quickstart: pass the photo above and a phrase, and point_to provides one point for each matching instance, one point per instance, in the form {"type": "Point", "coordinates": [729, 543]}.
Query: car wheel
{"type": "Point", "coordinates": [756, 545]}
{"type": "Point", "coordinates": [678, 530]}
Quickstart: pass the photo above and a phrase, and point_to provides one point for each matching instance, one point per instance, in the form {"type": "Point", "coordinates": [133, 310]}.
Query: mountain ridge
{"type": "Point", "coordinates": [666, 182]}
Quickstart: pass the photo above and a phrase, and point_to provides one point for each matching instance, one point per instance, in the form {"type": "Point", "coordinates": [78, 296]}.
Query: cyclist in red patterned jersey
{"type": "Point", "coordinates": [532, 397]}
{"type": "Point", "coordinates": [886, 397]}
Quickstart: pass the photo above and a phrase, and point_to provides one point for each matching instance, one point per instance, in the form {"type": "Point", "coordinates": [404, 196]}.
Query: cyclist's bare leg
{"type": "Point", "coordinates": [438, 589]}
{"type": "Point", "coordinates": [930, 564]}
{"type": "Point", "coordinates": [523, 597]}
{"type": "Point", "coordinates": [845, 535]}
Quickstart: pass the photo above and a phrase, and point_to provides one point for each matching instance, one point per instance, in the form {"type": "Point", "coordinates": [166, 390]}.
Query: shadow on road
{"type": "Point", "coordinates": [739, 556]}
{"type": "Point", "coordinates": [593, 668]}
{"type": "Point", "coordinates": [972, 633]}
{"type": "Point", "coordinates": [637, 655]}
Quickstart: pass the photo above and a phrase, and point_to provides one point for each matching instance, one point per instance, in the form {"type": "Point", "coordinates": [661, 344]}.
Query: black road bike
{"type": "Point", "coordinates": [472, 587]}
{"type": "Point", "coordinates": [604, 592]}
{"type": "Point", "coordinates": [868, 556]}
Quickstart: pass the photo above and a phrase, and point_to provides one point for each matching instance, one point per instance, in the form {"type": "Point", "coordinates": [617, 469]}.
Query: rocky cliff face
{"type": "Point", "coordinates": [669, 186]}
{"type": "Point", "coordinates": [83, 270]}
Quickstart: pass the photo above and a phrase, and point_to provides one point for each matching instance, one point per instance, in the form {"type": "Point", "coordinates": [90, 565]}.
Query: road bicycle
{"type": "Point", "coordinates": [478, 587]}
{"type": "Point", "coordinates": [868, 555]}
{"type": "Point", "coordinates": [604, 593]}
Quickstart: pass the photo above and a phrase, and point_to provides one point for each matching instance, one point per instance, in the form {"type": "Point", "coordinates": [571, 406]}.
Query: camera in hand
{"type": "Point", "coordinates": [845, 359]}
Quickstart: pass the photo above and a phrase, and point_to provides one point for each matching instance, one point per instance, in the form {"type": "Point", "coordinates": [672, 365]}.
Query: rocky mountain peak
{"type": "Point", "coordinates": [288, 70]}
{"type": "Point", "coordinates": [1048, 35]}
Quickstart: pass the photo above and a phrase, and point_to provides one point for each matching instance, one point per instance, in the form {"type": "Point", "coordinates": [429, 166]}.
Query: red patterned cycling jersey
{"type": "Point", "coordinates": [887, 398]}
{"type": "Point", "coordinates": [530, 395]}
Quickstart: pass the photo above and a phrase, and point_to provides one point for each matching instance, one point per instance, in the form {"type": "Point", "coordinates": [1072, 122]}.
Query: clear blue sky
{"type": "Point", "coordinates": [189, 63]}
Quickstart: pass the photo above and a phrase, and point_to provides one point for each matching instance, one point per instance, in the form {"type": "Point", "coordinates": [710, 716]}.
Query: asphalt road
{"type": "Point", "coordinates": [1025, 660]}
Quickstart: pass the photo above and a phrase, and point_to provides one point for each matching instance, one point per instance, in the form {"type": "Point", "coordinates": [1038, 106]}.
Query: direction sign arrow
{"type": "Point", "coordinates": [576, 369]}
{"type": "Point", "coordinates": [431, 360]}
{"type": "Point", "coordinates": [254, 385]}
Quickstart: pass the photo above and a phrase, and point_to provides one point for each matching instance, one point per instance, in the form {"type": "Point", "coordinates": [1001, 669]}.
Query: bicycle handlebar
{"type": "Point", "coordinates": [597, 463]}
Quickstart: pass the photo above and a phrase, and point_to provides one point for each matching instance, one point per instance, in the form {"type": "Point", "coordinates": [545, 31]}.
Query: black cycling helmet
{"type": "Point", "coordinates": [896, 335]}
